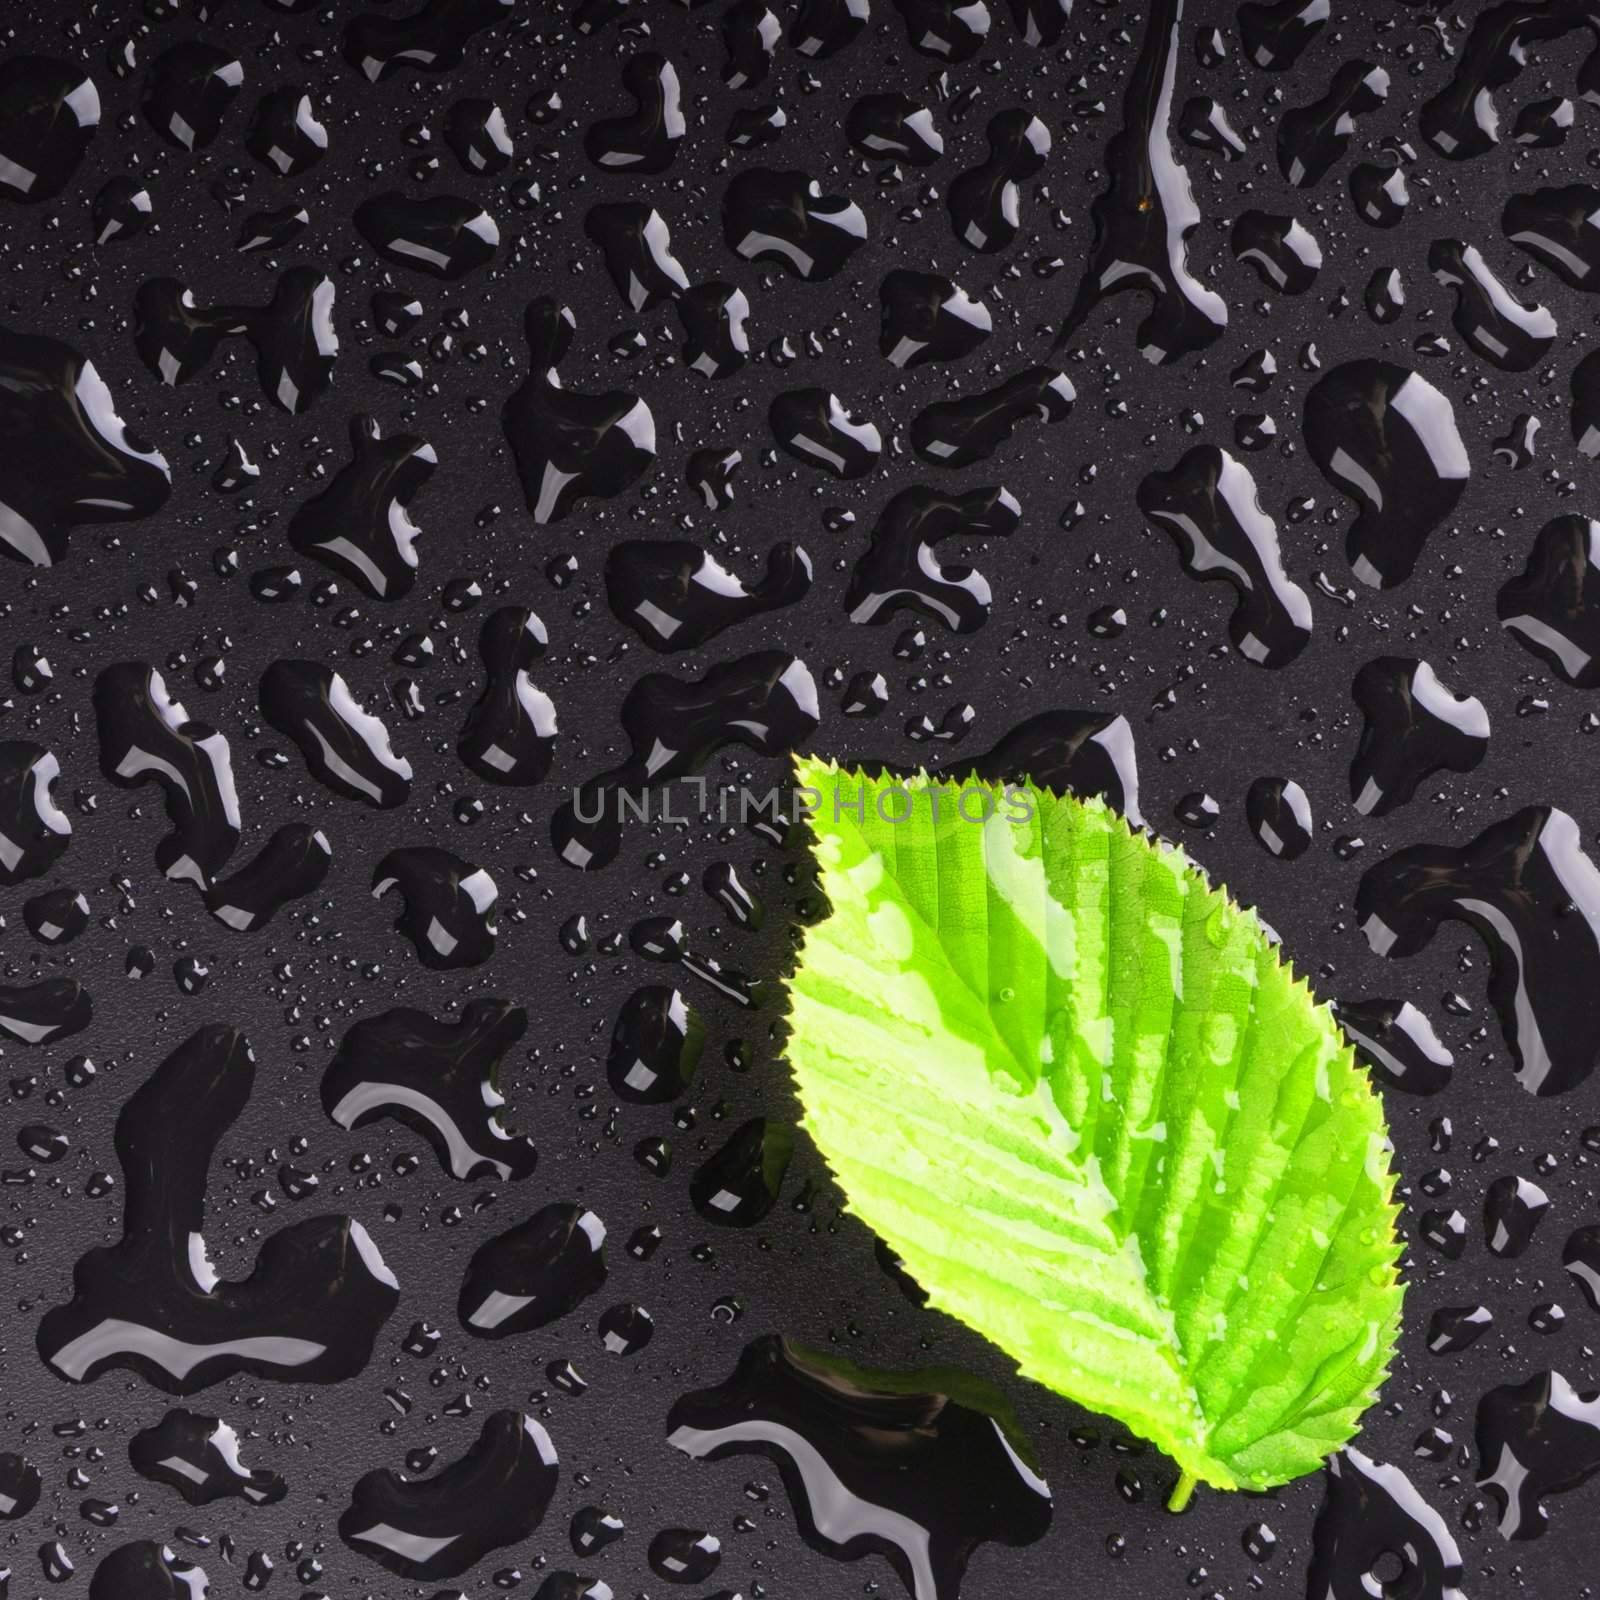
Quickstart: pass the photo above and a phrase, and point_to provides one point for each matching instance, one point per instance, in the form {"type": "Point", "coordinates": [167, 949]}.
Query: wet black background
{"type": "Point", "coordinates": [806, 1272]}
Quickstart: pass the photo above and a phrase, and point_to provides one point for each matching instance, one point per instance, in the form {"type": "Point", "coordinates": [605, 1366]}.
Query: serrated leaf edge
{"type": "Point", "coordinates": [920, 777]}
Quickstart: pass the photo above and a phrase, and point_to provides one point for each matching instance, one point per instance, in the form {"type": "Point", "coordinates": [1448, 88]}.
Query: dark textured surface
{"type": "Point", "coordinates": [1203, 719]}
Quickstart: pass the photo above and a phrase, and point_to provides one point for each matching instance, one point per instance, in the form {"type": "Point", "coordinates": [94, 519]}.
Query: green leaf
{"type": "Point", "coordinates": [1079, 1093]}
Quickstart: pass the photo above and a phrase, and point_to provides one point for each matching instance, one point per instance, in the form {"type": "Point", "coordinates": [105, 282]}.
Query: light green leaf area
{"type": "Point", "coordinates": [1079, 1093]}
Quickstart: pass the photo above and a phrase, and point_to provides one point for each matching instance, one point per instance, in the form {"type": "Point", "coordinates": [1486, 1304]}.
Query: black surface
{"type": "Point", "coordinates": [1203, 717]}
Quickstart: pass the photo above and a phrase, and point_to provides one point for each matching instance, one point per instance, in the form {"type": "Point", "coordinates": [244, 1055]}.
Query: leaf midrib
{"type": "Point", "coordinates": [1171, 1347]}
